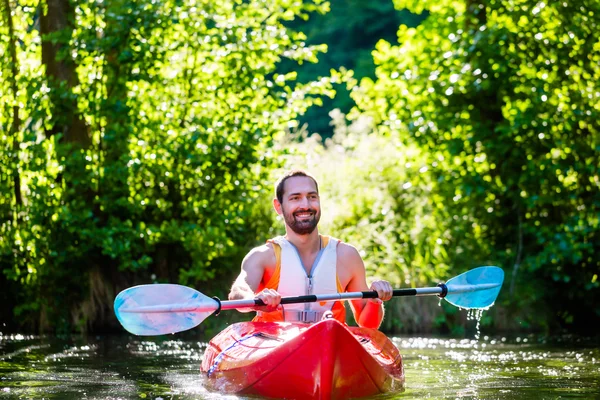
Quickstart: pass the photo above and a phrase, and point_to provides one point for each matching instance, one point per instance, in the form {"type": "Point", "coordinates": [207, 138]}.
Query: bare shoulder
{"type": "Point", "coordinates": [350, 258]}
{"type": "Point", "coordinates": [261, 255]}
{"type": "Point", "coordinates": [350, 268]}
{"type": "Point", "coordinates": [347, 251]}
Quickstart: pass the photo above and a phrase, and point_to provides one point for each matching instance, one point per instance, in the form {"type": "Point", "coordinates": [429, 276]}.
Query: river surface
{"type": "Point", "coordinates": [167, 367]}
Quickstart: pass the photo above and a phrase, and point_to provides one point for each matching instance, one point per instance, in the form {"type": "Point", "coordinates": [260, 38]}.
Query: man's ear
{"type": "Point", "coordinates": [277, 206]}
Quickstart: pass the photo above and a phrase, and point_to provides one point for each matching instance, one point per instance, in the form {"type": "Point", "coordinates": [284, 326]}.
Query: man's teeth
{"type": "Point", "coordinates": [304, 215]}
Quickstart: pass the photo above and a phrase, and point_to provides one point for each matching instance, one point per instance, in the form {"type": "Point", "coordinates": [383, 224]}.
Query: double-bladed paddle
{"type": "Point", "coordinates": [159, 309]}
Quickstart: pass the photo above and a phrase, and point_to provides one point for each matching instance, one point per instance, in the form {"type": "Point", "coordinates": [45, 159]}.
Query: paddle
{"type": "Point", "coordinates": [159, 309]}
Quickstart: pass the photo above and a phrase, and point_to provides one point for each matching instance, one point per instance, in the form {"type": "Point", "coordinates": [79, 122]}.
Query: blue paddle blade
{"type": "Point", "coordinates": [162, 308]}
{"type": "Point", "coordinates": [477, 288]}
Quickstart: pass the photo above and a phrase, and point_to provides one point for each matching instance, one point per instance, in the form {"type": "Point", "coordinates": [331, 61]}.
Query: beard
{"type": "Point", "coordinates": [302, 226]}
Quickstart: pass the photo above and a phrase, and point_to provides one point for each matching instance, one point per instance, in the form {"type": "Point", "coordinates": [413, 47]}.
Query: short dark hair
{"type": "Point", "coordinates": [279, 186]}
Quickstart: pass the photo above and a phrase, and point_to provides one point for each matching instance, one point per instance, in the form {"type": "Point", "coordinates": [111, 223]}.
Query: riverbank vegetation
{"type": "Point", "coordinates": [139, 142]}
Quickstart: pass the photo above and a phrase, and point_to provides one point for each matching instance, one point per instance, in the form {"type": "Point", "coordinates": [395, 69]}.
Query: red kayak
{"type": "Point", "coordinates": [327, 360]}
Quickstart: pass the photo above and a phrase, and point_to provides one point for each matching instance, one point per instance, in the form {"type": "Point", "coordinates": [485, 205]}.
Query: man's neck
{"type": "Point", "coordinates": [304, 243]}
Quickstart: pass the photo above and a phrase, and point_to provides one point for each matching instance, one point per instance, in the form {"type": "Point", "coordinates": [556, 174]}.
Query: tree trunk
{"type": "Point", "coordinates": [115, 109]}
{"type": "Point", "coordinates": [58, 22]}
{"type": "Point", "coordinates": [16, 122]}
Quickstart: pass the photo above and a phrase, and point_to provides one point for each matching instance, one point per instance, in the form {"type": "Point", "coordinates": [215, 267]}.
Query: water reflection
{"type": "Point", "coordinates": [127, 367]}
{"type": "Point", "coordinates": [501, 369]}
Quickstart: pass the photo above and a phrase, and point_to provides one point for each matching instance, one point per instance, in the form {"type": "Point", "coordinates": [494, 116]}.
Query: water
{"type": "Point", "coordinates": [127, 367]}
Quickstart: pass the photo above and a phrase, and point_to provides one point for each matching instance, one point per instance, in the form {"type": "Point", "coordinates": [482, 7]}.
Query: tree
{"type": "Point", "coordinates": [139, 133]}
{"type": "Point", "coordinates": [349, 31]}
{"type": "Point", "coordinates": [503, 96]}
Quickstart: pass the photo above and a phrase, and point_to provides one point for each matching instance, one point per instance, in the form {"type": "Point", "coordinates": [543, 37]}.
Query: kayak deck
{"type": "Point", "coordinates": [327, 360]}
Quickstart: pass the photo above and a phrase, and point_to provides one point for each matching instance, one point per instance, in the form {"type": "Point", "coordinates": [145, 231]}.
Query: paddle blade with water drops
{"type": "Point", "coordinates": [477, 288]}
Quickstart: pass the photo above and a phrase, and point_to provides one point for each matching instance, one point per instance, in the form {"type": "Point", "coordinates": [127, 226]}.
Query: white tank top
{"type": "Point", "coordinates": [294, 281]}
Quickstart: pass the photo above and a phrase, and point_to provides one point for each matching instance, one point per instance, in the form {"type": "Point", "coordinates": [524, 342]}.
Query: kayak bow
{"type": "Point", "coordinates": [327, 360]}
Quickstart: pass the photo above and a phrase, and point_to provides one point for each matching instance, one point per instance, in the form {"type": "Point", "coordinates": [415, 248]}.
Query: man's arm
{"type": "Point", "coordinates": [250, 277]}
{"type": "Point", "coordinates": [368, 313]}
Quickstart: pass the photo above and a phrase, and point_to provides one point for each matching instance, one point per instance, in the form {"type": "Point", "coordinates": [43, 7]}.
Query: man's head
{"type": "Point", "coordinates": [298, 201]}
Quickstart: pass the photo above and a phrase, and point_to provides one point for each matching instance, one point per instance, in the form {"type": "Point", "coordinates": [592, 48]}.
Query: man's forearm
{"type": "Point", "coordinates": [371, 315]}
{"type": "Point", "coordinates": [241, 291]}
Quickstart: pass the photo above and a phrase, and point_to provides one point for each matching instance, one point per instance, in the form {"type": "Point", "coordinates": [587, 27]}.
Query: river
{"type": "Point", "coordinates": [167, 367]}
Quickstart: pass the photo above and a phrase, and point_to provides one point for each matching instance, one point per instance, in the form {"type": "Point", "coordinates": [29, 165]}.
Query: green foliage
{"type": "Point", "coordinates": [502, 98]}
{"type": "Point", "coordinates": [139, 143]}
{"type": "Point", "coordinates": [138, 140]}
{"type": "Point", "coordinates": [349, 31]}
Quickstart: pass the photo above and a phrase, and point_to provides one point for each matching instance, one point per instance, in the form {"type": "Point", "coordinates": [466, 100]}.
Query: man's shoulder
{"type": "Point", "coordinates": [263, 253]}
{"type": "Point", "coordinates": [347, 250]}
{"type": "Point", "coordinates": [262, 249]}
{"type": "Point", "coordinates": [349, 263]}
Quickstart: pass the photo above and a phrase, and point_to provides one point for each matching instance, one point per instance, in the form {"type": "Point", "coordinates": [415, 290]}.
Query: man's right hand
{"type": "Point", "coordinates": [271, 298]}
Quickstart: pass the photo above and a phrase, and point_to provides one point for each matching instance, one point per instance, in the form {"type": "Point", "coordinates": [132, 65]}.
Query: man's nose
{"type": "Point", "coordinates": [304, 203]}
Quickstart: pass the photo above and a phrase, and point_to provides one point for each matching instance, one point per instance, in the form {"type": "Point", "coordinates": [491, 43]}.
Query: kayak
{"type": "Point", "coordinates": [326, 360]}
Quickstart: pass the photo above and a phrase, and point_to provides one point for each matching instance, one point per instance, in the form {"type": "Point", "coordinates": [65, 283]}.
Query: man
{"type": "Point", "coordinates": [304, 262]}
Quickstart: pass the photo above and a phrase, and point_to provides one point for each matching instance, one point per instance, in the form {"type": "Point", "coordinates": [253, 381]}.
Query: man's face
{"type": "Point", "coordinates": [301, 208]}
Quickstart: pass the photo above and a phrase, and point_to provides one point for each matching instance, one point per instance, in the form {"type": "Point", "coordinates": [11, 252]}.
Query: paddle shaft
{"type": "Point", "coordinates": [440, 290]}
{"type": "Point", "coordinates": [312, 298]}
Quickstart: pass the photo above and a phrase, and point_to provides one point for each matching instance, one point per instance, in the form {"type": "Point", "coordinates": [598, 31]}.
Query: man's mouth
{"type": "Point", "coordinates": [303, 215]}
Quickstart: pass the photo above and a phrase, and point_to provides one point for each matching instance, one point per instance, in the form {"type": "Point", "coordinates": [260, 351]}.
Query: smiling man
{"type": "Point", "coordinates": [304, 262]}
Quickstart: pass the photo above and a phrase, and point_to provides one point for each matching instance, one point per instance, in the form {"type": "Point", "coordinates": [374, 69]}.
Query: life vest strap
{"type": "Point", "coordinates": [306, 316]}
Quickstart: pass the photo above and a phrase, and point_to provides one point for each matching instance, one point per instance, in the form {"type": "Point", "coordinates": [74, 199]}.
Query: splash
{"type": "Point", "coordinates": [476, 314]}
